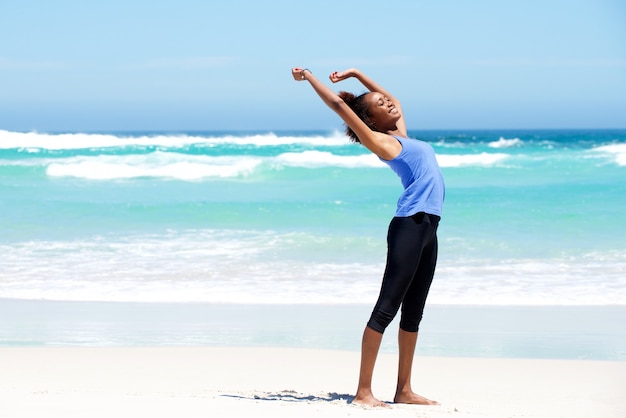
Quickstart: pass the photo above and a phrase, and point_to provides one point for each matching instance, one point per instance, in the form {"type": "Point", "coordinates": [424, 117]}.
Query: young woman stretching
{"type": "Point", "coordinates": [375, 120]}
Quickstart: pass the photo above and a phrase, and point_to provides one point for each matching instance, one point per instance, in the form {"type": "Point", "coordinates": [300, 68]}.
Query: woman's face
{"type": "Point", "coordinates": [383, 112]}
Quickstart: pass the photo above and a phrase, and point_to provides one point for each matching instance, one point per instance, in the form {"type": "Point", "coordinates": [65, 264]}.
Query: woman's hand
{"type": "Point", "coordinates": [339, 76]}
{"type": "Point", "coordinates": [299, 73]}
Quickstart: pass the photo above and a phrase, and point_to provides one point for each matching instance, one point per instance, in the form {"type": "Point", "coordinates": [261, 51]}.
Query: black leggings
{"type": "Point", "coordinates": [411, 261]}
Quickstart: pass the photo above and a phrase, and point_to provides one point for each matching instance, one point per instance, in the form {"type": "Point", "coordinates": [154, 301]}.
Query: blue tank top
{"type": "Point", "coordinates": [419, 172]}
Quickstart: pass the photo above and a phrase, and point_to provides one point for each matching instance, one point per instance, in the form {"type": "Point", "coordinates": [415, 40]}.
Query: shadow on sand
{"type": "Point", "coordinates": [293, 396]}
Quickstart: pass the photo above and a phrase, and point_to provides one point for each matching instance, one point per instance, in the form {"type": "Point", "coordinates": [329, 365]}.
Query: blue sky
{"type": "Point", "coordinates": [119, 65]}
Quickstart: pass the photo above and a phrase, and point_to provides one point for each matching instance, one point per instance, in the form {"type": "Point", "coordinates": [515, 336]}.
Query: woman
{"type": "Point", "coordinates": [375, 120]}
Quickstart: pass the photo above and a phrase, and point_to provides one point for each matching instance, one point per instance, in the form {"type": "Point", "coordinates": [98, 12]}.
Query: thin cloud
{"type": "Point", "coordinates": [548, 63]}
{"type": "Point", "coordinates": [365, 62]}
{"type": "Point", "coordinates": [189, 63]}
{"type": "Point", "coordinates": [13, 64]}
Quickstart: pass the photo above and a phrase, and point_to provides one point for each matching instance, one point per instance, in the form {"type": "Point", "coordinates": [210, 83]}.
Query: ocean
{"type": "Point", "coordinates": [532, 219]}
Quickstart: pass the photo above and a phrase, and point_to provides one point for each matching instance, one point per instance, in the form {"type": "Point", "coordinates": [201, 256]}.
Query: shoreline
{"type": "Point", "coordinates": [536, 332]}
{"type": "Point", "coordinates": [285, 382]}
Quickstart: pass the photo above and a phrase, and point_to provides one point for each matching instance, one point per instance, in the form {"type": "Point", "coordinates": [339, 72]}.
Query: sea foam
{"type": "Point", "coordinates": [33, 141]}
{"type": "Point", "coordinates": [616, 151]}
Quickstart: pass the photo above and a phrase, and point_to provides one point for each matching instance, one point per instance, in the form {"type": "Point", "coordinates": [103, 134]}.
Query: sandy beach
{"type": "Point", "coordinates": [286, 382]}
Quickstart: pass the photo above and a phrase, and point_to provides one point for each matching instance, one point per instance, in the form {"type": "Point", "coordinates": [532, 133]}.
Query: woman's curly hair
{"type": "Point", "coordinates": [360, 107]}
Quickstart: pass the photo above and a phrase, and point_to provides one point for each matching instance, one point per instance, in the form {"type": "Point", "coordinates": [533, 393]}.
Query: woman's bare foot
{"type": "Point", "coordinates": [413, 399]}
{"type": "Point", "coordinates": [371, 401]}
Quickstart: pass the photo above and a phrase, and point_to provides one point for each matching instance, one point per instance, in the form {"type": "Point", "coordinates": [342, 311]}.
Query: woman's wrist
{"type": "Point", "coordinates": [303, 73]}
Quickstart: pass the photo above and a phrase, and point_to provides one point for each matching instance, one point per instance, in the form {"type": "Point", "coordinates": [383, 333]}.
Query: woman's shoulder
{"type": "Point", "coordinates": [386, 146]}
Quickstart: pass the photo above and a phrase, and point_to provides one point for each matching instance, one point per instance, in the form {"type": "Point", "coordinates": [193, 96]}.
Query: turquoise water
{"type": "Point", "coordinates": [278, 239]}
{"type": "Point", "coordinates": [530, 217]}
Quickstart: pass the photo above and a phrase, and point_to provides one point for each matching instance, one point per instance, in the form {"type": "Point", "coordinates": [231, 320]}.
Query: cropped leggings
{"type": "Point", "coordinates": [411, 261]}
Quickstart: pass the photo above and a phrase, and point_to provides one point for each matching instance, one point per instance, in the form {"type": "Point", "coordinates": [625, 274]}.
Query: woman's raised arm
{"type": "Point", "coordinates": [374, 141]}
{"type": "Point", "coordinates": [371, 85]}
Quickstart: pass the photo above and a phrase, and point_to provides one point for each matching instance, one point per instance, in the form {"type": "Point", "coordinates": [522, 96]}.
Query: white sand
{"type": "Point", "coordinates": [268, 382]}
